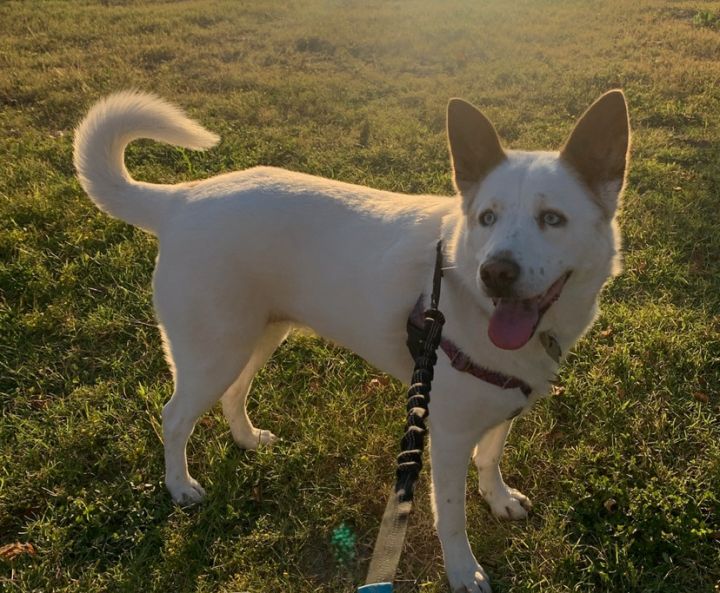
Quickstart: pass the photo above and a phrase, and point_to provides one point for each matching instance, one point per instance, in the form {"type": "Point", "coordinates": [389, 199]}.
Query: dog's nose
{"type": "Point", "coordinates": [499, 274]}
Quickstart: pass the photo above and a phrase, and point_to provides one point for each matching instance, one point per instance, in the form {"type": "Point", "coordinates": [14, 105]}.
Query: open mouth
{"type": "Point", "coordinates": [514, 321]}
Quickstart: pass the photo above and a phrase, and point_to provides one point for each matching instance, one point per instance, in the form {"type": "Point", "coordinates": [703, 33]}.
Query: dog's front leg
{"type": "Point", "coordinates": [505, 502]}
{"type": "Point", "coordinates": [449, 453]}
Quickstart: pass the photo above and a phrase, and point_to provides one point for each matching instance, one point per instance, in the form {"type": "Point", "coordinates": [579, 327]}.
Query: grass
{"type": "Point", "coordinates": [623, 464]}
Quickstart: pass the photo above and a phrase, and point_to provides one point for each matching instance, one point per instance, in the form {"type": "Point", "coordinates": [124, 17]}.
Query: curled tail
{"type": "Point", "coordinates": [99, 148]}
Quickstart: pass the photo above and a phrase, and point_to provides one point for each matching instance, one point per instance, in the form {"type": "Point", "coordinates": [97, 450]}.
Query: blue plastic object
{"type": "Point", "coordinates": [376, 588]}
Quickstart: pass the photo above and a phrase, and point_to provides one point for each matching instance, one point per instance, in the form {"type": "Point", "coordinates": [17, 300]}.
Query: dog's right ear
{"type": "Point", "coordinates": [598, 149]}
{"type": "Point", "coordinates": [475, 148]}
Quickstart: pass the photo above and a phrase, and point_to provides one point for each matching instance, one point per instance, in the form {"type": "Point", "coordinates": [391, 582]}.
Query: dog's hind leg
{"type": "Point", "coordinates": [207, 359]}
{"type": "Point", "coordinates": [235, 398]}
{"type": "Point", "coordinates": [505, 502]}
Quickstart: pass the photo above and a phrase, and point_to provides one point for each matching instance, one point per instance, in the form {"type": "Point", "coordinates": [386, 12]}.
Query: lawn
{"type": "Point", "coordinates": [622, 462]}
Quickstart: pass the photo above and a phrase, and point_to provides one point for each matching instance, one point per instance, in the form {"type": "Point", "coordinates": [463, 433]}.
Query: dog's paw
{"type": "Point", "coordinates": [256, 438]}
{"type": "Point", "coordinates": [471, 580]}
{"type": "Point", "coordinates": [186, 493]}
{"type": "Point", "coordinates": [509, 504]}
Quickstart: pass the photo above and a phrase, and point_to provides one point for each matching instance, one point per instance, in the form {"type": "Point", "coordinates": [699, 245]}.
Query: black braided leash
{"type": "Point", "coordinates": [423, 345]}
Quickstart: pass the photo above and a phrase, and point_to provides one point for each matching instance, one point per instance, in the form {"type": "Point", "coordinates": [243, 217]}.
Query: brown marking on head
{"type": "Point", "coordinates": [598, 149]}
{"type": "Point", "coordinates": [475, 148]}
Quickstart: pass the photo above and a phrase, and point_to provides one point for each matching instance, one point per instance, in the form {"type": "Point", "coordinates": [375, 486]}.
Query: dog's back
{"type": "Point", "coordinates": [304, 249]}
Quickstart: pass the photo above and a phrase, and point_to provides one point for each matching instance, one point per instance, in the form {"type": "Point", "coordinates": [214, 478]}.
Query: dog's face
{"type": "Point", "coordinates": [538, 224]}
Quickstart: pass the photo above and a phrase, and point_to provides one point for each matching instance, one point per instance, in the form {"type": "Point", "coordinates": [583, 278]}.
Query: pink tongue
{"type": "Point", "coordinates": [512, 323]}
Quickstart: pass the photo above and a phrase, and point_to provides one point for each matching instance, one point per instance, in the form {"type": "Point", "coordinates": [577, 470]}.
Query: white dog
{"type": "Point", "coordinates": [529, 241]}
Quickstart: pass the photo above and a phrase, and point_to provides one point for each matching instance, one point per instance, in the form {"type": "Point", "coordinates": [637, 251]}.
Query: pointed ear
{"type": "Point", "coordinates": [598, 149]}
{"type": "Point", "coordinates": [475, 148]}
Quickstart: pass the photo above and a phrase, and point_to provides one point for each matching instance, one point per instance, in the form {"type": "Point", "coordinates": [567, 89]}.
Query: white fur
{"type": "Point", "coordinates": [245, 256]}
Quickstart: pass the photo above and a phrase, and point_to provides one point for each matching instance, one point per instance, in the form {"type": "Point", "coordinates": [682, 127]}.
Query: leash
{"type": "Point", "coordinates": [423, 344]}
{"type": "Point", "coordinates": [424, 331]}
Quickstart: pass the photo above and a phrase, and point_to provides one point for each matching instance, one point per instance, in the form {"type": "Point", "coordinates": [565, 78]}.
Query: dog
{"type": "Point", "coordinates": [528, 241]}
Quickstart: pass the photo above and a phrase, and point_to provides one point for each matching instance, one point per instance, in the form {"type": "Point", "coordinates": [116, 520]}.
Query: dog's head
{"type": "Point", "coordinates": [539, 225]}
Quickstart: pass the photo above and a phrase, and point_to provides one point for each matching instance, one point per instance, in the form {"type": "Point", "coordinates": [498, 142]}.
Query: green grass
{"type": "Point", "coordinates": [623, 466]}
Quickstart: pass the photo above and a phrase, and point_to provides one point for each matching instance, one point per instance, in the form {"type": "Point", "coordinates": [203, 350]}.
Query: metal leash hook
{"type": "Point", "coordinates": [423, 346]}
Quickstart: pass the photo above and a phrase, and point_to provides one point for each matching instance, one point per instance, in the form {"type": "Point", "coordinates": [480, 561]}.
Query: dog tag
{"type": "Point", "coordinates": [551, 346]}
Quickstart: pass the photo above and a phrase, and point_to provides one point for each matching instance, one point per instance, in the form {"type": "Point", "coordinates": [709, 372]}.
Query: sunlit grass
{"type": "Point", "coordinates": [623, 466]}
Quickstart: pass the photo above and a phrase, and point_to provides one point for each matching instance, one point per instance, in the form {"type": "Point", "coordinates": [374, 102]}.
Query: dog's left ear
{"type": "Point", "coordinates": [598, 149]}
{"type": "Point", "coordinates": [475, 148]}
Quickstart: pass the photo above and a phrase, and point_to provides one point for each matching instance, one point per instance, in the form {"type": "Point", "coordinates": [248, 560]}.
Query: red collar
{"type": "Point", "coordinates": [463, 363]}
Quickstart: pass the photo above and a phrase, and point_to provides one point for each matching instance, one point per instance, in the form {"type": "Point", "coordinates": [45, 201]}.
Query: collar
{"type": "Point", "coordinates": [463, 363]}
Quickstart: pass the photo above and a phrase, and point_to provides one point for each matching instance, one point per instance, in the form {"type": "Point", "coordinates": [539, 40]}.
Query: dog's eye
{"type": "Point", "coordinates": [552, 218]}
{"type": "Point", "coordinates": [487, 218]}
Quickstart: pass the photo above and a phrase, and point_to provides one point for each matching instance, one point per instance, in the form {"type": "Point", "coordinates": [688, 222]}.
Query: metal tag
{"type": "Point", "coordinates": [551, 346]}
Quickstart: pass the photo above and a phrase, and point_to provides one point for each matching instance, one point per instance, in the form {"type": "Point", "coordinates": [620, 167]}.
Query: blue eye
{"type": "Point", "coordinates": [552, 218]}
{"type": "Point", "coordinates": [487, 218]}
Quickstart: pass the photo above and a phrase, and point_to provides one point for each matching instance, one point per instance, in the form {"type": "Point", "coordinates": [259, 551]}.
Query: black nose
{"type": "Point", "coordinates": [499, 274]}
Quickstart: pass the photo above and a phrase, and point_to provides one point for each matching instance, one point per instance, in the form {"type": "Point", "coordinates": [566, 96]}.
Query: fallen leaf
{"type": "Point", "coordinates": [558, 390]}
{"type": "Point", "coordinates": [556, 435]}
{"type": "Point", "coordinates": [12, 551]}
{"type": "Point", "coordinates": [376, 384]}
{"type": "Point", "coordinates": [701, 396]}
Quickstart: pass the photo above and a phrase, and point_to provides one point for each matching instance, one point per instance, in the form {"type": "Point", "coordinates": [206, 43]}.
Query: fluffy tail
{"type": "Point", "coordinates": [99, 148]}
